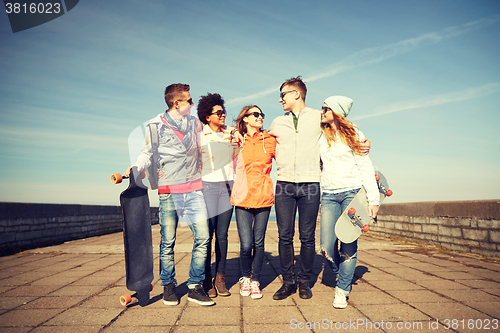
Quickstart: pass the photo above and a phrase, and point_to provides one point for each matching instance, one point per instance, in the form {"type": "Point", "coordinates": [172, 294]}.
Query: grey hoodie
{"type": "Point", "coordinates": [176, 164]}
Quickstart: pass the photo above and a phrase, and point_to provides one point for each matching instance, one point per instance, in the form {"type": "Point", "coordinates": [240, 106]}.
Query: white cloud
{"type": "Point", "coordinates": [470, 93]}
{"type": "Point", "coordinates": [377, 54]}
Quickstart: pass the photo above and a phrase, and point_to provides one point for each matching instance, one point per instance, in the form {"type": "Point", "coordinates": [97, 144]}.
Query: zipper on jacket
{"type": "Point", "coordinates": [295, 153]}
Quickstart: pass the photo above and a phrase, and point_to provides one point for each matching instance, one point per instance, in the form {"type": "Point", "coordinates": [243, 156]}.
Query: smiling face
{"type": "Point", "coordinates": [288, 97]}
{"type": "Point", "coordinates": [252, 121]}
{"type": "Point", "coordinates": [184, 103]}
{"type": "Point", "coordinates": [218, 117]}
{"type": "Point", "coordinates": [327, 116]}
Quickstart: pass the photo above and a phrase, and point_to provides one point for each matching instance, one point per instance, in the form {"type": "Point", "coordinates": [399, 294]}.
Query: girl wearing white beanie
{"type": "Point", "coordinates": [344, 172]}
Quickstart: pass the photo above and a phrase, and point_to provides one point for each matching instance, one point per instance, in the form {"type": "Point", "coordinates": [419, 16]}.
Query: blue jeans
{"type": "Point", "coordinates": [191, 208]}
{"type": "Point", "coordinates": [252, 225]}
{"type": "Point", "coordinates": [218, 200]}
{"type": "Point", "coordinates": [341, 262]}
{"type": "Point", "coordinates": [288, 198]}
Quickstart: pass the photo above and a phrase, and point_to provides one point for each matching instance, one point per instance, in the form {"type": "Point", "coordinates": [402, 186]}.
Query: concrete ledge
{"type": "Point", "coordinates": [478, 209]}
{"type": "Point", "coordinates": [468, 226]}
{"type": "Point", "coordinates": [26, 226]}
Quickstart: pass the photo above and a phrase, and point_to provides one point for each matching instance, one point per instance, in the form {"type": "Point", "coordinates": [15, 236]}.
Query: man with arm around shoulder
{"type": "Point", "coordinates": [179, 187]}
{"type": "Point", "coordinates": [298, 134]}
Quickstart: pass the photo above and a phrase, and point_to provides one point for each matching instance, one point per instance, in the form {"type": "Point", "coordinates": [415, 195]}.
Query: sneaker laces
{"type": "Point", "coordinates": [255, 287]}
{"type": "Point", "coordinates": [245, 283]}
{"type": "Point", "coordinates": [340, 296]}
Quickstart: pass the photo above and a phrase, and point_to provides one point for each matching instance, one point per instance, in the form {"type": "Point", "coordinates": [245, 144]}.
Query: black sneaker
{"type": "Point", "coordinates": [285, 291]}
{"type": "Point", "coordinates": [198, 295]}
{"type": "Point", "coordinates": [169, 296]}
{"type": "Point", "coordinates": [304, 290]}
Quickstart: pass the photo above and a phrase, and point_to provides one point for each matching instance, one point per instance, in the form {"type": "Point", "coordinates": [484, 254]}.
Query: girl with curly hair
{"type": "Point", "coordinates": [218, 161]}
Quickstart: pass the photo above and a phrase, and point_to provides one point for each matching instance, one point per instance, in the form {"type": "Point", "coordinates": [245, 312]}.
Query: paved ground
{"type": "Point", "coordinates": [75, 287]}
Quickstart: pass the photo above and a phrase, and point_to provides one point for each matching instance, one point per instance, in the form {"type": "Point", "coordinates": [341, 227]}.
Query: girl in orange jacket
{"type": "Point", "coordinates": [253, 195]}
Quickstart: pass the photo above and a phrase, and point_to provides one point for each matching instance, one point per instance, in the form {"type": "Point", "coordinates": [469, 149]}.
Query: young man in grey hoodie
{"type": "Point", "coordinates": [298, 187]}
{"type": "Point", "coordinates": [179, 188]}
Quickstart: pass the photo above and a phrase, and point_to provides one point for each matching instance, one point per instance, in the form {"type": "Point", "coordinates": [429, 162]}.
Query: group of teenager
{"type": "Point", "coordinates": [206, 168]}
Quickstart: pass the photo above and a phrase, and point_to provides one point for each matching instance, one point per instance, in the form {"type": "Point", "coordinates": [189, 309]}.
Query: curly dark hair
{"type": "Point", "coordinates": [206, 104]}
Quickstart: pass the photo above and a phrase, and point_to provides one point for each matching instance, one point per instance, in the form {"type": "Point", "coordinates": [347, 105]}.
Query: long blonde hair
{"type": "Point", "coordinates": [346, 132]}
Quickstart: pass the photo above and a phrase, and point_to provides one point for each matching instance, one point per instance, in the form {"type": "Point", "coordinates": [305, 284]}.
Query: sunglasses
{"type": "Point", "coordinates": [190, 101]}
{"type": "Point", "coordinates": [220, 113]}
{"type": "Point", "coordinates": [325, 109]}
{"type": "Point", "coordinates": [257, 114]}
{"type": "Point", "coordinates": [282, 94]}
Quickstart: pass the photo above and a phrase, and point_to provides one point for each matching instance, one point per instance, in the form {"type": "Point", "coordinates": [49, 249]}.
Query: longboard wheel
{"type": "Point", "coordinates": [365, 228]}
{"type": "Point", "coordinates": [351, 211]}
{"type": "Point", "coordinates": [125, 299]}
{"type": "Point", "coordinates": [150, 287]}
{"type": "Point", "coordinates": [388, 193]}
{"type": "Point", "coordinates": [116, 178]}
{"type": "Point", "coordinates": [377, 177]}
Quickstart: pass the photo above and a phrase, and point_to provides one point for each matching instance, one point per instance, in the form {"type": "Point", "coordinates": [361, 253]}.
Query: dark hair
{"type": "Point", "coordinates": [240, 124]}
{"type": "Point", "coordinates": [298, 84]}
{"type": "Point", "coordinates": [173, 92]}
{"type": "Point", "coordinates": [206, 105]}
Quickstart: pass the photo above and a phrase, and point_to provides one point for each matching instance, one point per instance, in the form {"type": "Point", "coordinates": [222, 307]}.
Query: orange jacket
{"type": "Point", "coordinates": [253, 187]}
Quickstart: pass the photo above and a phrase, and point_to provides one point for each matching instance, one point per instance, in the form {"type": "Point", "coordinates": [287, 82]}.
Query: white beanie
{"type": "Point", "coordinates": [339, 104]}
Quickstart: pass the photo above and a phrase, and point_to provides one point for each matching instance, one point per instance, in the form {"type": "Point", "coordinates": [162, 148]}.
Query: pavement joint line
{"type": "Point", "coordinates": [425, 246]}
{"type": "Point", "coordinates": [82, 301]}
{"type": "Point", "coordinates": [29, 284]}
{"type": "Point", "coordinates": [430, 290]}
{"type": "Point", "coordinates": [394, 252]}
{"type": "Point", "coordinates": [385, 292]}
{"type": "Point", "coordinates": [242, 321]}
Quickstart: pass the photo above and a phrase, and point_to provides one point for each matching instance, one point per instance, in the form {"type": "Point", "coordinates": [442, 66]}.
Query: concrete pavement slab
{"type": "Point", "coordinates": [75, 287]}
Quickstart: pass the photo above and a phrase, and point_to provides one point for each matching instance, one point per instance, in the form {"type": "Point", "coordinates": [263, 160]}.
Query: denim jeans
{"type": "Point", "coordinates": [252, 225]}
{"type": "Point", "coordinates": [288, 198]}
{"type": "Point", "coordinates": [341, 262]}
{"type": "Point", "coordinates": [218, 200]}
{"type": "Point", "coordinates": [191, 208]}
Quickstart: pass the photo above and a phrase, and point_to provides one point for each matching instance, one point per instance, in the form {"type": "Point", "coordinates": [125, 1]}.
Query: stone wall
{"type": "Point", "coordinates": [26, 225]}
{"type": "Point", "coordinates": [467, 226]}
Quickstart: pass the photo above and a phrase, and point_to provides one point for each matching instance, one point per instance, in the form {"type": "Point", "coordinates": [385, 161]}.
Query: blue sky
{"type": "Point", "coordinates": [424, 77]}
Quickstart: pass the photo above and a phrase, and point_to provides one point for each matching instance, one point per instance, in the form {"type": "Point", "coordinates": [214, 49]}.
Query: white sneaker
{"type": "Point", "coordinates": [245, 289]}
{"type": "Point", "coordinates": [255, 290]}
{"type": "Point", "coordinates": [340, 302]}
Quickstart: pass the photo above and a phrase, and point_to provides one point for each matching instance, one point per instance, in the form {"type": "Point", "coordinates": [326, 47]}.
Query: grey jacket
{"type": "Point", "coordinates": [297, 151]}
{"type": "Point", "coordinates": [176, 164]}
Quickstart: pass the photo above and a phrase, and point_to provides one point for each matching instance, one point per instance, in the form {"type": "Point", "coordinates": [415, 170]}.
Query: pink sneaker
{"type": "Point", "coordinates": [245, 289]}
{"type": "Point", "coordinates": [255, 290]}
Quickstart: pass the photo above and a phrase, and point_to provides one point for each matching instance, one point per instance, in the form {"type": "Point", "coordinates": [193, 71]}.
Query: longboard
{"type": "Point", "coordinates": [137, 239]}
{"type": "Point", "coordinates": [356, 218]}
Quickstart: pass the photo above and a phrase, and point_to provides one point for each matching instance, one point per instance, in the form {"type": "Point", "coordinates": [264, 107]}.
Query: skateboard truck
{"type": "Point", "coordinates": [382, 187]}
{"type": "Point", "coordinates": [117, 178]}
{"type": "Point", "coordinates": [127, 298]}
{"type": "Point", "coordinates": [356, 221]}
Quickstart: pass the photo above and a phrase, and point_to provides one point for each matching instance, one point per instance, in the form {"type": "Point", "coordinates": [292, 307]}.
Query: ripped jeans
{"type": "Point", "coordinates": [341, 262]}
